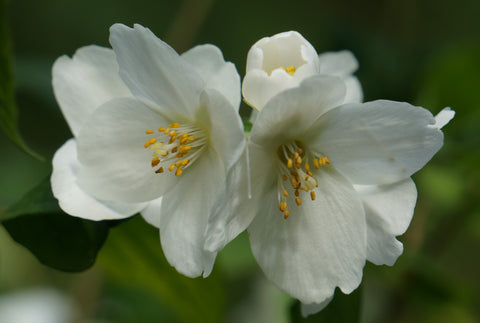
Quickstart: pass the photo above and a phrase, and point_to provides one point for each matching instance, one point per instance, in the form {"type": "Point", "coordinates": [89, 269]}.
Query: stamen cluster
{"type": "Point", "coordinates": [293, 164]}
{"type": "Point", "coordinates": [174, 143]}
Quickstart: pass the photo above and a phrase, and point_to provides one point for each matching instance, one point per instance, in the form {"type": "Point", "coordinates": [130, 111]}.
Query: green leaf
{"type": "Point", "coordinates": [133, 256]}
{"type": "Point", "coordinates": [343, 308]}
{"type": "Point", "coordinates": [57, 239]}
{"type": "Point", "coordinates": [8, 110]}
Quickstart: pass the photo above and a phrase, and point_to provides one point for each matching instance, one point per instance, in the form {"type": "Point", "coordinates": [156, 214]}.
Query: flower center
{"type": "Point", "coordinates": [177, 146]}
{"type": "Point", "coordinates": [290, 70]}
{"type": "Point", "coordinates": [293, 163]}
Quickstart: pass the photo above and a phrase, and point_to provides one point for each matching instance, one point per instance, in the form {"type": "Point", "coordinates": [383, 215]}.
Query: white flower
{"type": "Point", "coordinates": [284, 60]}
{"type": "Point", "coordinates": [331, 185]}
{"type": "Point", "coordinates": [169, 141]}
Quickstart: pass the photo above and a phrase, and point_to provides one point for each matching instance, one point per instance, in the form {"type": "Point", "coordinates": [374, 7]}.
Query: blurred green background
{"type": "Point", "coordinates": [423, 52]}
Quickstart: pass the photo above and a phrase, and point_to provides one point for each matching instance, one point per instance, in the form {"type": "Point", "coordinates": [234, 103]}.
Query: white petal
{"type": "Point", "coordinates": [185, 212]}
{"type": "Point", "coordinates": [389, 210]}
{"type": "Point", "coordinates": [116, 165]}
{"type": "Point", "coordinates": [379, 142]}
{"type": "Point", "coordinates": [218, 75]}
{"type": "Point", "coordinates": [354, 90]}
{"type": "Point", "coordinates": [73, 199]}
{"type": "Point", "coordinates": [154, 72]}
{"type": "Point", "coordinates": [151, 213]}
{"type": "Point", "coordinates": [341, 63]}
{"type": "Point", "coordinates": [234, 210]}
{"type": "Point", "coordinates": [84, 82]}
{"type": "Point", "coordinates": [225, 126]}
{"type": "Point", "coordinates": [309, 309]}
{"type": "Point", "coordinates": [288, 114]}
{"type": "Point", "coordinates": [320, 246]}
{"type": "Point", "coordinates": [444, 117]}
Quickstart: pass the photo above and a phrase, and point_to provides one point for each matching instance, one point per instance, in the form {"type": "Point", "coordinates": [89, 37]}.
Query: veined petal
{"type": "Point", "coordinates": [389, 210]}
{"type": "Point", "coordinates": [288, 114]}
{"type": "Point", "coordinates": [224, 125]}
{"type": "Point", "coordinates": [73, 199]}
{"type": "Point", "coordinates": [151, 212]}
{"type": "Point", "coordinates": [84, 82]}
{"type": "Point", "coordinates": [217, 74]}
{"type": "Point", "coordinates": [378, 142]}
{"type": "Point", "coordinates": [308, 309]}
{"type": "Point", "coordinates": [185, 212]}
{"type": "Point", "coordinates": [341, 63]}
{"type": "Point", "coordinates": [320, 246]}
{"type": "Point", "coordinates": [154, 72]}
{"type": "Point", "coordinates": [116, 165]}
{"type": "Point", "coordinates": [239, 201]}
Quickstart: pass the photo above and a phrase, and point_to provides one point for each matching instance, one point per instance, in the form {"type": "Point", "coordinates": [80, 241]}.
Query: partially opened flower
{"type": "Point", "coordinates": [285, 59]}
{"type": "Point", "coordinates": [331, 185]}
{"type": "Point", "coordinates": [169, 142]}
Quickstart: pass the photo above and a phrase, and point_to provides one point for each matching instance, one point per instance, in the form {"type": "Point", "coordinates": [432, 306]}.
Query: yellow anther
{"type": "Point", "coordinates": [185, 162]}
{"type": "Point", "coordinates": [161, 129]}
{"type": "Point", "coordinates": [149, 132]}
{"type": "Point", "coordinates": [151, 141]}
{"type": "Point", "coordinates": [184, 149]}
{"type": "Point", "coordinates": [322, 161]}
{"type": "Point", "coordinates": [174, 149]}
{"type": "Point", "coordinates": [155, 161]}
{"type": "Point", "coordinates": [174, 125]}
{"type": "Point", "coordinates": [298, 201]}
{"type": "Point", "coordinates": [172, 133]}
{"type": "Point", "coordinates": [296, 155]}
{"type": "Point", "coordinates": [315, 163]}
{"type": "Point", "coordinates": [282, 206]}
{"type": "Point", "coordinates": [290, 70]}
{"type": "Point", "coordinates": [309, 173]}
{"type": "Point", "coordinates": [297, 193]}
{"type": "Point", "coordinates": [163, 153]}
{"type": "Point", "coordinates": [191, 138]}
{"type": "Point", "coordinates": [178, 163]}
{"type": "Point", "coordinates": [299, 150]}
{"type": "Point", "coordinates": [159, 171]}
{"type": "Point", "coordinates": [287, 213]}
{"type": "Point", "coordinates": [284, 177]}
{"type": "Point", "coordinates": [327, 160]}
{"type": "Point", "coordinates": [180, 155]}
{"type": "Point", "coordinates": [183, 141]}
{"type": "Point", "coordinates": [172, 167]}
{"type": "Point", "coordinates": [285, 193]}
{"type": "Point", "coordinates": [178, 172]}
{"type": "Point", "coordinates": [307, 167]}
{"type": "Point", "coordinates": [298, 160]}
{"type": "Point", "coordinates": [289, 163]}
{"type": "Point", "coordinates": [294, 182]}
{"type": "Point", "coordinates": [312, 195]}
{"type": "Point", "coordinates": [166, 131]}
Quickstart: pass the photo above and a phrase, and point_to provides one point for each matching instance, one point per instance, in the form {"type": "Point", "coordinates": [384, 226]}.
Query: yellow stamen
{"type": "Point", "coordinates": [285, 193]}
{"type": "Point", "coordinates": [297, 193]}
{"type": "Point", "coordinates": [149, 132]}
{"type": "Point", "coordinates": [284, 177]}
{"type": "Point", "coordinates": [159, 171]}
{"type": "Point", "coordinates": [289, 163]}
{"type": "Point", "coordinates": [298, 201]}
{"type": "Point", "coordinates": [287, 213]}
{"type": "Point", "coordinates": [185, 162]}
{"type": "Point", "coordinates": [315, 163]}
{"type": "Point", "coordinates": [290, 70]}
{"type": "Point", "coordinates": [174, 125]}
{"type": "Point", "coordinates": [294, 182]}
{"type": "Point", "coordinates": [161, 129]}
{"type": "Point", "coordinates": [171, 167]}
{"type": "Point", "coordinates": [282, 206]}
{"type": "Point", "coordinates": [312, 195]}
{"type": "Point", "coordinates": [178, 172]}
{"type": "Point", "coordinates": [166, 131]}
{"type": "Point", "coordinates": [155, 161]}
{"type": "Point", "coordinates": [174, 150]}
